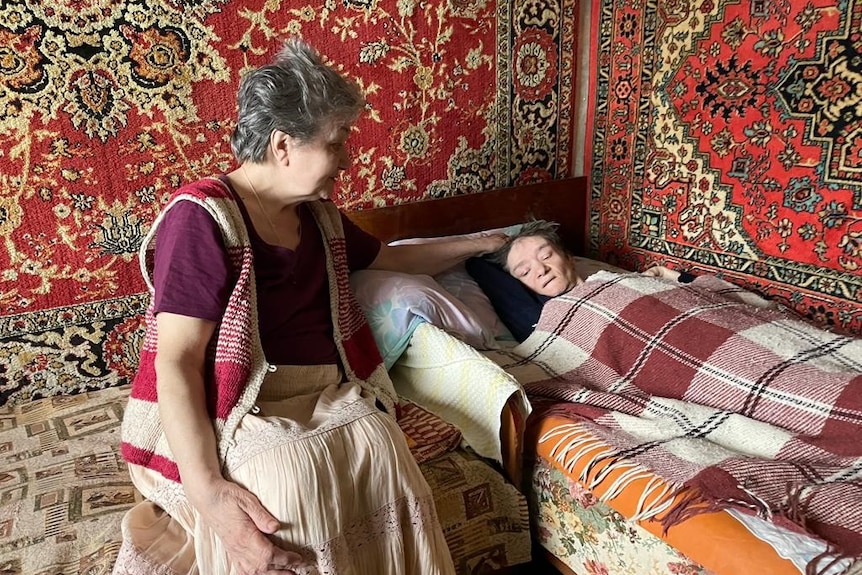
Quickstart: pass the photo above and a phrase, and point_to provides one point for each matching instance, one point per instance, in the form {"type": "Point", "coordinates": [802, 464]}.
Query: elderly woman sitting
{"type": "Point", "coordinates": [260, 425]}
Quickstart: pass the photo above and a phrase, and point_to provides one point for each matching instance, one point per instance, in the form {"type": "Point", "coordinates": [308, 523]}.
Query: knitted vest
{"type": "Point", "coordinates": [237, 364]}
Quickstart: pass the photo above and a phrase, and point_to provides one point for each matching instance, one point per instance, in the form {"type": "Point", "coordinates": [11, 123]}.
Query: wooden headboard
{"type": "Point", "coordinates": [562, 201]}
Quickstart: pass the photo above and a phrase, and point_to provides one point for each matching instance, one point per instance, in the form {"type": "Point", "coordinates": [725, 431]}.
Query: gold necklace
{"type": "Point", "coordinates": [260, 205]}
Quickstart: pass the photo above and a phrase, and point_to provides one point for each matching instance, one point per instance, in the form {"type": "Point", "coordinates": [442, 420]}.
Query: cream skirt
{"type": "Point", "coordinates": [331, 467]}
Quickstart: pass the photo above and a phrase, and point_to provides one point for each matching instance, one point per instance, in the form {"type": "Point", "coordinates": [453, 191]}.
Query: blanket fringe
{"type": "Point", "coordinates": [687, 503]}
{"type": "Point", "coordinates": [663, 501]}
{"type": "Point", "coordinates": [576, 444]}
{"type": "Point", "coordinates": [834, 562]}
{"type": "Point", "coordinates": [794, 505]}
{"type": "Point", "coordinates": [672, 503]}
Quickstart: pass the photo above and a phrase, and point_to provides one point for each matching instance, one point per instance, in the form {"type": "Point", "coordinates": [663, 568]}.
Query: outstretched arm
{"type": "Point", "coordinates": [433, 258]}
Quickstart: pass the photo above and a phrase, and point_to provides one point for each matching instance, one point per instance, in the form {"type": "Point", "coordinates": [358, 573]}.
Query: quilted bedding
{"type": "Point", "coordinates": [64, 489]}
{"type": "Point", "coordinates": [732, 406]}
{"type": "Point", "coordinates": [460, 385]}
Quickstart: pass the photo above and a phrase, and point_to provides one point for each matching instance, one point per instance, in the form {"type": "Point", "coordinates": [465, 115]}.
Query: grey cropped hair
{"type": "Point", "coordinates": [534, 228]}
{"type": "Point", "coordinates": [297, 93]}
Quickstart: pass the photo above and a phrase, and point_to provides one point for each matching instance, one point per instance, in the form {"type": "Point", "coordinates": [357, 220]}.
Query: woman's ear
{"type": "Point", "coordinates": [280, 145]}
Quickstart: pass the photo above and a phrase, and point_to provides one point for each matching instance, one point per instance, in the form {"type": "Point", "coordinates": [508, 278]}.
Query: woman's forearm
{"type": "Point", "coordinates": [187, 425]}
{"type": "Point", "coordinates": [180, 367]}
{"type": "Point", "coordinates": [433, 258]}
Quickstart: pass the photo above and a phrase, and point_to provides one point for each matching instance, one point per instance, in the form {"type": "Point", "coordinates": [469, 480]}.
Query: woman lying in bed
{"type": "Point", "coordinates": [733, 401]}
{"type": "Point", "coordinates": [536, 257]}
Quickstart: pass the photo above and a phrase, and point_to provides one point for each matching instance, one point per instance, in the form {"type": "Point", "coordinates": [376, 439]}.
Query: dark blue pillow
{"type": "Point", "coordinates": [519, 307]}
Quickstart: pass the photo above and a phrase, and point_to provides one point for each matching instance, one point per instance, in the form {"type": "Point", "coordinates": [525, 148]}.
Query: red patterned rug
{"type": "Point", "coordinates": [106, 107]}
{"type": "Point", "coordinates": [726, 137]}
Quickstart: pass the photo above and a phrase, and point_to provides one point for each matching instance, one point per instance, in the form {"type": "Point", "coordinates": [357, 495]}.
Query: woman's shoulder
{"type": "Point", "coordinates": [204, 189]}
{"type": "Point", "coordinates": [192, 204]}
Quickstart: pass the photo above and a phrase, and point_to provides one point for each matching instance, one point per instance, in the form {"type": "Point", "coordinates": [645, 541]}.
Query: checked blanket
{"type": "Point", "coordinates": [732, 404]}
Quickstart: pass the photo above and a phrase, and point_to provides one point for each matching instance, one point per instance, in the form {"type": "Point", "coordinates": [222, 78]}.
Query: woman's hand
{"type": "Point", "coordinates": [491, 243]}
{"type": "Point", "coordinates": [242, 523]}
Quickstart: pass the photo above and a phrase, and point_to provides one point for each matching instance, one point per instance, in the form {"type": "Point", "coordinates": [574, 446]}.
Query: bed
{"type": "Point", "coordinates": [592, 508]}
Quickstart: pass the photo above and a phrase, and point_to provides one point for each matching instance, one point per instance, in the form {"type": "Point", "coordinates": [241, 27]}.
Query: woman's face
{"type": "Point", "coordinates": [317, 164]}
{"type": "Point", "coordinates": [542, 267]}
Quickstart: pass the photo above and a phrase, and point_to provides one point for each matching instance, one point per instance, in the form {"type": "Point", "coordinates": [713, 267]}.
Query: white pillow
{"type": "Point", "coordinates": [587, 267]}
{"type": "Point", "coordinates": [461, 285]}
{"type": "Point", "coordinates": [396, 303]}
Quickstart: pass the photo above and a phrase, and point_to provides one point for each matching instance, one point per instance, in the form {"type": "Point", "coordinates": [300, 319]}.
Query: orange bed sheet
{"type": "Point", "coordinates": [715, 540]}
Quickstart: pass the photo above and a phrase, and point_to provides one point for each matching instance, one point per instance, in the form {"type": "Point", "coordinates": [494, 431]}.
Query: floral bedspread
{"type": "Point", "coordinates": [590, 536]}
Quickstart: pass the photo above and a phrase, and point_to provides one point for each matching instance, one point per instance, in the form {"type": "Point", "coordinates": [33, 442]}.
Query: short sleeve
{"type": "Point", "coordinates": [362, 247]}
{"type": "Point", "coordinates": [518, 307]}
{"type": "Point", "coordinates": [191, 272]}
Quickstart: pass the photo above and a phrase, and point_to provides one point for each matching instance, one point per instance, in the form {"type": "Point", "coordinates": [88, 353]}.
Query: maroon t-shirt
{"type": "Point", "coordinates": [192, 277]}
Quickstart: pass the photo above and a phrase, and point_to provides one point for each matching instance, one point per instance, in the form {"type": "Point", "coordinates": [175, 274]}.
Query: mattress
{"type": "Point", "coordinates": [591, 537]}
{"type": "Point", "coordinates": [560, 493]}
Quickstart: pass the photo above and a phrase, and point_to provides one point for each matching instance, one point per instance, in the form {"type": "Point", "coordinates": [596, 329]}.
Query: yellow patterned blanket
{"type": "Point", "coordinates": [462, 386]}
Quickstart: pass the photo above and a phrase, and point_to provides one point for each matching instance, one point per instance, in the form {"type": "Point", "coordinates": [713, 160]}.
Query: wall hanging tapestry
{"type": "Point", "coordinates": [727, 137]}
{"type": "Point", "coordinates": [106, 107]}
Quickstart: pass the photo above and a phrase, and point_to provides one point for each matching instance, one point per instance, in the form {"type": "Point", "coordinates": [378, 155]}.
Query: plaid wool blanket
{"type": "Point", "coordinates": [732, 404]}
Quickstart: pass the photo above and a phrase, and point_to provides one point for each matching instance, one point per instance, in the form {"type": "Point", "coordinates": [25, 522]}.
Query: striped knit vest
{"type": "Point", "coordinates": [239, 365]}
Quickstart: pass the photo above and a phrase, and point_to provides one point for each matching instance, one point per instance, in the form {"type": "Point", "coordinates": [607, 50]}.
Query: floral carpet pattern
{"type": "Point", "coordinates": [727, 137]}
{"type": "Point", "coordinates": [106, 107]}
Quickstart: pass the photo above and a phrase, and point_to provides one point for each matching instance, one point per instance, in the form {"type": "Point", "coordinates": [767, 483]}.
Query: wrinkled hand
{"type": "Point", "coordinates": [658, 271]}
{"type": "Point", "coordinates": [491, 243]}
{"type": "Point", "coordinates": [241, 522]}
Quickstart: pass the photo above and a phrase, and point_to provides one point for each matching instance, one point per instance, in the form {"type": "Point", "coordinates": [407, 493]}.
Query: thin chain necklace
{"type": "Point", "coordinates": [260, 205]}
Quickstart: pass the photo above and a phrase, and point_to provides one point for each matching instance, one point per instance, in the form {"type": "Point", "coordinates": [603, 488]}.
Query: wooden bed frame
{"type": "Point", "coordinates": [562, 201]}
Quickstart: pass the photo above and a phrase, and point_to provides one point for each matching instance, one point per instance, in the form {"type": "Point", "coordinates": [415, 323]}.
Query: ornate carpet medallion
{"type": "Point", "coordinates": [107, 107]}
{"type": "Point", "coordinates": [726, 137]}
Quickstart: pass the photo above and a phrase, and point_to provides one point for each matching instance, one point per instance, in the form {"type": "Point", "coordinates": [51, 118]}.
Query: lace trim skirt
{"type": "Point", "coordinates": [334, 469]}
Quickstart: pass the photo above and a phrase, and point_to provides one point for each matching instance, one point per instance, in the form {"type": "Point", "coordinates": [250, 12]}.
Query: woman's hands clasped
{"type": "Point", "coordinates": [242, 523]}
